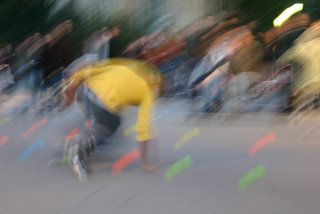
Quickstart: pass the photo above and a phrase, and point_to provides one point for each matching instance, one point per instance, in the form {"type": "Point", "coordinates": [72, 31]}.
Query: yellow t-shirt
{"type": "Point", "coordinates": [118, 86]}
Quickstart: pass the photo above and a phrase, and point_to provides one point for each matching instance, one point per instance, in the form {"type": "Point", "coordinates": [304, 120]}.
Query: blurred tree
{"type": "Point", "coordinates": [19, 18]}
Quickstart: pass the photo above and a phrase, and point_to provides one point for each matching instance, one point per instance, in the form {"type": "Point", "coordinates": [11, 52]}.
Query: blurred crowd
{"type": "Point", "coordinates": [218, 60]}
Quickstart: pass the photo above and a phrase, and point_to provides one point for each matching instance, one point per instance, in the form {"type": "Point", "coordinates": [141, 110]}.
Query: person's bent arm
{"type": "Point", "coordinates": [144, 134]}
{"type": "Point", "coordinates": [289, 55]}
{"type": "Point", "coordinates": [78, 78]}
{"type": "Point", "coordinates": [60, 31]}
{"type": "Point", "coordinates": [31, 51]}
{"type": "Point", "coordinates": [27, 42]}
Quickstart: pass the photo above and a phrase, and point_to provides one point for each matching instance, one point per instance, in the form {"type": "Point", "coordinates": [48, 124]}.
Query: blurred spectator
{"type": "Point", "coordinates": [97, 47]}
{"type": "Point", "coordinates": [29, 62]}
{"type": "Point", "coordinates": [143, 45]}
{"type": "Point", "coordinates": [249, 58]}
{"type": "Point", "coordinates": [6, 54]}
{"type": "Point", "coordinates": [306, 81]}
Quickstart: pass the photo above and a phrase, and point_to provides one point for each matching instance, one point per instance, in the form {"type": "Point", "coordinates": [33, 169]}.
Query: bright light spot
{"type": "Point", "coordinates": [287, 13]}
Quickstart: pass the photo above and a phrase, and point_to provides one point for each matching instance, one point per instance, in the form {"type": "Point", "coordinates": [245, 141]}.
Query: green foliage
{"type": "Point", "coordinates": [21, 18]}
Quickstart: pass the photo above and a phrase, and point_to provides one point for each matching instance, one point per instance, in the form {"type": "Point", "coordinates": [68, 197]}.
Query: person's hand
{"type": "Point", "coordinates": [68, 26]}
{"type": "Point", "coordinates": [148, 168]}
{"type": "Point", "coordinates": [145, 163]}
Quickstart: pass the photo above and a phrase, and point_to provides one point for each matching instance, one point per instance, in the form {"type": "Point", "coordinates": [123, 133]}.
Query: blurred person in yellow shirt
{"type": "Point", "coordinates": [105, 89]}
{"type": "Point", "coordinates": [305, 56]}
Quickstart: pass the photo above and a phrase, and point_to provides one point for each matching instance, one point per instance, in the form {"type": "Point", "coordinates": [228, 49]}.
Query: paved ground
{"type": "Point", "coordinates": [220, 159]}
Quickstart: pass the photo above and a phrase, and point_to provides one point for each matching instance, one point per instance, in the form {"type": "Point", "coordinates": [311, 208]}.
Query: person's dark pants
{"type": "Point", "coordinates": [103, 122]}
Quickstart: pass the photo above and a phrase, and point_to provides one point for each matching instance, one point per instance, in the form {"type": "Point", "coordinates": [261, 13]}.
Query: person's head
{"type": "Point", "coordinates": [68, 24]}
{"type": "Point", "coordinates": [115, 31]}
{"type": "Point", "coordinates": [252, 25]}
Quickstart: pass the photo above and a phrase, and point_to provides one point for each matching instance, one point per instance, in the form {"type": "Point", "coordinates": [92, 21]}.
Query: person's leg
{"type": "Point", "coordinates": [82, 146]}
{"type": "Point", "coordinates": [103, 123]}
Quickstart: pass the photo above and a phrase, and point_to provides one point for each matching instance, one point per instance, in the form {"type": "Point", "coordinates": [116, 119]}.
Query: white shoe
{"type": "Point", "coordinates": [76, 163]}
{"type": "Point", "coordinates": [78, 169]}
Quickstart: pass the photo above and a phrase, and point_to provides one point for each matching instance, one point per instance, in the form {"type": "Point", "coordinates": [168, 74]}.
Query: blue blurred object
{"type": "Point", "coordinates": [31, 149]}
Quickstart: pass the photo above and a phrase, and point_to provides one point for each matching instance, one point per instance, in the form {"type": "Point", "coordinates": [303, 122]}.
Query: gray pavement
{"type": "Point", "coordinates": [220, 159]}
